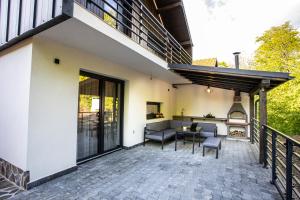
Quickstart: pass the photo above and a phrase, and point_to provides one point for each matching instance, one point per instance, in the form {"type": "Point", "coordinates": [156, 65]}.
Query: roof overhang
{"type": "Point", "coordinates": [248, 81]}
{"type": "Point", "coordinates": [173, 15]}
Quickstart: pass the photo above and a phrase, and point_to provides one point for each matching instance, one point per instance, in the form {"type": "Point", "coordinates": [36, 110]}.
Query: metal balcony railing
{"type": "Point", "coordinates": [135, 20]}
{"type": "Point", "coordinates": [282, 154]}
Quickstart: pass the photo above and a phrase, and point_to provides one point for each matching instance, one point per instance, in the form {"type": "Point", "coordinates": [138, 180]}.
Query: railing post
{"type": "Point", "coordinates": [252, 131]}
{"type": "Point", "coordinates": [251, 102]}
{"type": "Point", "coordinates": [265, 143]}
{"type": "Point", "coordinates": [289, 169]}
{"type": "Point", "coordinates": [262, 122]}
{"type": "Point", "coordinates": [274, 149]}
{"type": "Point", "coordinates": [180, 49]}
{"type": "Point", "coordinates": [140, 38]}
{"type": "Point", "coordinates": [166, 46]}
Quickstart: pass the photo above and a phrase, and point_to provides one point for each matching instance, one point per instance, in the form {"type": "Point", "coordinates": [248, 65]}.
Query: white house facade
{"type": "Point", "coordinates": [78, 77]}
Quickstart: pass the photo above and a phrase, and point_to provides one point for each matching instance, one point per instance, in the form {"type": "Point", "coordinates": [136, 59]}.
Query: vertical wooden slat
{"type": "Point", "coordinates": [34, 14]}
{"type": "Point", "coordinates": [20, 17]}
{"type": "Point", "coordinates": [8, 20]}
{"type": "Point", "coordinates": [53, 8]}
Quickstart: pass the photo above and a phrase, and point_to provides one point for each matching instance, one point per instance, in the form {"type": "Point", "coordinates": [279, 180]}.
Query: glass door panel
{"type": "Point", "coordinates": [88, 117]}
{"type": "Point", "coordinates": [111, 115]}
{"type": "Point", "coordinates": [99, 115]}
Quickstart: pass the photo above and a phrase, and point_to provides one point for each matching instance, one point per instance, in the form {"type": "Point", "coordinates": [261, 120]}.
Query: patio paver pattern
{"type": "Point", "coordinates": [151, 173]}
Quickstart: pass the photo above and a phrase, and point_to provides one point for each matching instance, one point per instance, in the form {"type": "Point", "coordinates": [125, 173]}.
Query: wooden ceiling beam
{"type": "Point", "coordinates": [224, 86]}
{"type": "Point", "coordinates": [169, 7]}
{"type": "Point", "coordinates": [220, 78]}
{"type": "Point", "coordinates": [222, 82]}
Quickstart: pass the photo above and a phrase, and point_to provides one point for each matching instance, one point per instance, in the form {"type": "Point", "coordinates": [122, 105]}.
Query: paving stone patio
{"type": "Point", "coordinates": [150, 173]}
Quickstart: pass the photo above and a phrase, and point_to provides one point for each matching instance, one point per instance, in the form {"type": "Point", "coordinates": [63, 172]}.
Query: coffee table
{"type": "Point", "coordinates": [187, 132]}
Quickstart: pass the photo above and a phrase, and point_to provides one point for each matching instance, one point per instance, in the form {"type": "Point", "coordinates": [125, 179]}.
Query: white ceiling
{"type": "Point", "coordinates": [76, 34]}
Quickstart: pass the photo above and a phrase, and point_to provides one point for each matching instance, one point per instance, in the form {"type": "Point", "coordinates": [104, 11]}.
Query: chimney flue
{"type": "Point", "coordinates": [237, 60]}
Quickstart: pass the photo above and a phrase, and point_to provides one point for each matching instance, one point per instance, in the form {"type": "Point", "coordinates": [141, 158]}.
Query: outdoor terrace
{"type": "Point", "coordinates": [151, 173]}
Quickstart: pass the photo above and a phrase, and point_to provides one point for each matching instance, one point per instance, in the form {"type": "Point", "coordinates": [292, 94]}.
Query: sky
{"type": "Point", "coordinates": [221, 27]}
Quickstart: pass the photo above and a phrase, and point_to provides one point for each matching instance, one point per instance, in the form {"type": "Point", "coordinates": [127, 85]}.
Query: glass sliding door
{"type": "Point", "coordinates": [111, 115]}
{"type": "Point", "coordinates": [99, 115]}
{"type": "Point", "coordinates": [88, 117]}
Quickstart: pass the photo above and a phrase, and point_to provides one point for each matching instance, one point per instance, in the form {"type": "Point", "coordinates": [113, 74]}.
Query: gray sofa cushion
{"type": "Point", "coordinates": [208, 129]}
{"type": "Point", "coordinates": [159, 126]}
{"type": "Point", "coordinates": [177, 124]}
{"type": "Point", "coordinates": [207, 134]}
{"type": "Point", "coordinates": [168, 133]}
{"type": "Point", "coordinates": [213, 142]}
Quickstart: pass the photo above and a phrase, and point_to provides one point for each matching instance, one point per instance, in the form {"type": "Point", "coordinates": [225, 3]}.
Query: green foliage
{"type": "Point", "coordinates": [279, 50]}
{"type": "Point", "coordinates": [223, 64]}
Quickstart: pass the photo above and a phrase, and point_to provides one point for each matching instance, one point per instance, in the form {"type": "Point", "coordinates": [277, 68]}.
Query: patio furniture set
{"type": "Point", "coordinates": [169, 129]}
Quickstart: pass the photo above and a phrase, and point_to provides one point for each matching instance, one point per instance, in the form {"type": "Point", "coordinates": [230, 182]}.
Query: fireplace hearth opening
{"type": "Point", "coordinates": [239, 132]}
{"type": "Point", "coordinates": [237, 119]}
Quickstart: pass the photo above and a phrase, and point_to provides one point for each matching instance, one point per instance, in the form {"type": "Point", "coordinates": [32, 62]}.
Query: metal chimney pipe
{"type": "Point", "coordinates": [237, 59]}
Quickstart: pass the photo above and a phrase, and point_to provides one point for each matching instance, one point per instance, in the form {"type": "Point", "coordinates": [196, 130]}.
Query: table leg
{"type": "Point", "coordinates": [199, 139]}
{"type": "Point", "coordinates": [193, 143]}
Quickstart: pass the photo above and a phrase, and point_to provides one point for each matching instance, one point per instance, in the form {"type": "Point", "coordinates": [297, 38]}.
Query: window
{"type": "Point", "coordinates": [153, 110]}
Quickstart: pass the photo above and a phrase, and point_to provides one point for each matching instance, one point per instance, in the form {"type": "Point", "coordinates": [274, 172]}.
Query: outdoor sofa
{"type": "Point", "coordinates": [166, 130]}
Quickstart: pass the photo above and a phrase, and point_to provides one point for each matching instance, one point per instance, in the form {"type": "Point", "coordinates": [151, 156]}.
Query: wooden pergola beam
{"type": "Point", "coordinates": [223, 86]}
{"type": "Point", "coordinates": [228, 81]}
{"type": "Point", "coordinates": [220, 77]}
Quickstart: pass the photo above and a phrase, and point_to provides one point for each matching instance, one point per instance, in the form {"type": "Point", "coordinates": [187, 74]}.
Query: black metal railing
{"type": "Point", "coordinates": [282, 154]}
{"type": "Point", "coordinates": [135, 20]}
{"type": "Point", "coordinates": [256, 131]}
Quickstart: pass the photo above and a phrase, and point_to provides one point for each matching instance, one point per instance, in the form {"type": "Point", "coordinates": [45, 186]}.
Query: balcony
{"type": "Point", "coordinates": [135, 20]}
{"type": "Point", "coordinates": [130, 17]}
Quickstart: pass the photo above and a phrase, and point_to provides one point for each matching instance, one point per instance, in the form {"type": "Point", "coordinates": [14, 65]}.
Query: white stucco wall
{"type": "Point", "coordinates": [52, 140]}
{"type": "Point", "coordinates": [197, 102]}
{"type": "Point", "coordinates": [15, 69]}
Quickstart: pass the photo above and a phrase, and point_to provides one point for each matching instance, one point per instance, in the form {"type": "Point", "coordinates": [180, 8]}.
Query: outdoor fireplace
{"type": "Point", "coordinates": [237, 119]}
{"type": "Point", "coordinates": [237, 132]}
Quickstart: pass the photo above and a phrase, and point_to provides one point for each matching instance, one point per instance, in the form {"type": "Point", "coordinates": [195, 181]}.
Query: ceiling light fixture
{"type": "Point", "coordinates": [208, 89]}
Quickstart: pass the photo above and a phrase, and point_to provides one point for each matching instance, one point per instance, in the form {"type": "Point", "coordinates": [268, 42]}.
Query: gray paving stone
{"type": "Point", "coordinates": [148, 173]}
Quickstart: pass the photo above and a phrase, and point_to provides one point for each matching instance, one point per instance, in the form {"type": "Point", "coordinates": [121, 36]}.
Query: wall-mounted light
{"type": "Point", "coordinates": [208, 89]}
{"type": "Point", "coordinates": [56, 61]}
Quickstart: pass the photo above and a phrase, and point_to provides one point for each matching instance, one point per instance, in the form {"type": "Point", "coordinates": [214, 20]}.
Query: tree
{"type": "Point", "coordinates": [279, 50]}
